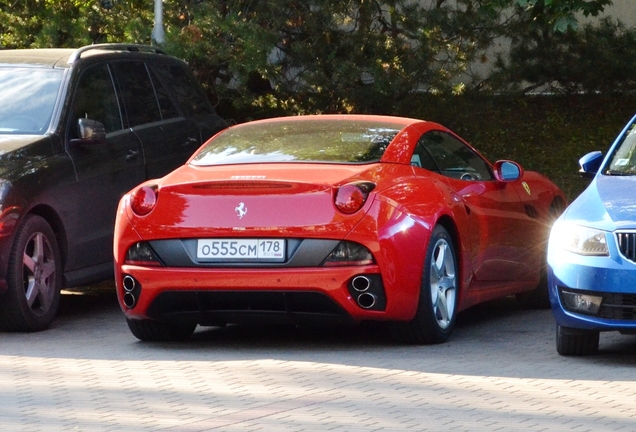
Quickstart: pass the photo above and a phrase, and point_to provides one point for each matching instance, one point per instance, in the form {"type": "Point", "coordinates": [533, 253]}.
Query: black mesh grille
{"type": "Point", "coordinates": [627, 244]}
{"type": "Point", "coordinates": [618, 306]}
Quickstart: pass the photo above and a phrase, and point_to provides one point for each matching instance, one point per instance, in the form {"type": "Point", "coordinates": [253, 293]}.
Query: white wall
{"type": "Point", "coordinates": [623, 10]}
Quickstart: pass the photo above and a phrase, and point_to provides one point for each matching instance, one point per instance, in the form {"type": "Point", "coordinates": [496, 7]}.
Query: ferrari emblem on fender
{"type": "Point", "coordinates": [241, 210]}
{"type": "Point", "coordinates": [525, 186]}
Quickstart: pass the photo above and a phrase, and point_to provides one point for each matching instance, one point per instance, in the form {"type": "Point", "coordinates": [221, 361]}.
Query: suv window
{"type": "Point", "coordinates": [166, 104]}
{"type": "Point", "coordinates": [185, 88]}
{"type": "Point", "coordinates": [95, 98]}
{"type": "Point", "coordinates": [138, 93]}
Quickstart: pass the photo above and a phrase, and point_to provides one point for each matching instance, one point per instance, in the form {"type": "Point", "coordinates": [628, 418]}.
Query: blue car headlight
{"type": "Point", "coordinates": [580, 239]}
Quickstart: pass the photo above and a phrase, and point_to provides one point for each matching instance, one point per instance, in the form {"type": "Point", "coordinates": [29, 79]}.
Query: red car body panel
{"type": "Point", "coordinates": [499, 228]}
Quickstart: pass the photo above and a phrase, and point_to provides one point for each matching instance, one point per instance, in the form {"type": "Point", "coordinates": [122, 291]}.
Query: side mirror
{"type": "Point", "coordinates": [590, 164]}
{"type": "Point", "coordinates": [507, 171]}
{"type": "Point", "coordinates": [90, 132]}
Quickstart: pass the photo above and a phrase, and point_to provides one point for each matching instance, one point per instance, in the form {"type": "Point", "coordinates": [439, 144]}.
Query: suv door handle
{"type": "Point", "coordinates": [189, 141]}
{"type": "Point", "coordinates": [132, 154]}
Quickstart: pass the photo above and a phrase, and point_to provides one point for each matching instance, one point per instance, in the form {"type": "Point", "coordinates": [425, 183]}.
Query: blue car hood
{"type": "Point", "coordinates": [609, 203]}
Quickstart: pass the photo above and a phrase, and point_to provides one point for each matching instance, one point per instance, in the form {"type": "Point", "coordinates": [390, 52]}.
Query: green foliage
{"type": "Point", "coordinates": [560, 15]}
{"type": "Point", "coordinates": [598, 58]}
{"type": "Point", "coordinates": [72, 23]}
{"type": "Point", "coordinates": [265, 58]}
{"type": "Point", "coordinates": [303, 56]}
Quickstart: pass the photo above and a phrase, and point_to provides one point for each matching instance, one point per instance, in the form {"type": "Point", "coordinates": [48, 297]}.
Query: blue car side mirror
{"type": "Point", "coordinates": [590, 164]}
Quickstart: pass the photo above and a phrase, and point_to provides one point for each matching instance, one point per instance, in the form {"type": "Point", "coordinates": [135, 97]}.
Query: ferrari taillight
{"type": "Point", "coordinates": [351, 197]}
{"type": "Point", "coordinates": [143, 200]}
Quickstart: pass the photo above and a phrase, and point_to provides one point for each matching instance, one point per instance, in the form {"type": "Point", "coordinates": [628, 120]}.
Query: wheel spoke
{"type": "Point", "coordinates": [38, 248]}
{"type": "Point", "coordinates": [48, 269]}
{"type": "Point", "coordinates": [32, 292]}
{"type": "Point", "coordinates": [441, 308]}
{"type": "Point", "coordinates": [440, 259]}
{"type": "Point", "coordinates": [40, 286]}
{"type": "Point", "coordinates": [28, 262]}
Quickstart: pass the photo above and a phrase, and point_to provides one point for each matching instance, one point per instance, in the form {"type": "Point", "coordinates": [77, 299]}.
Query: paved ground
{"type": "Point", "coordinates": [500, 372]}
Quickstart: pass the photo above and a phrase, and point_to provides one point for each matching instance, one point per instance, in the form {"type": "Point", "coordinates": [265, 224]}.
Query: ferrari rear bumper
{"type": "Point", "coordinates": [220, 296]}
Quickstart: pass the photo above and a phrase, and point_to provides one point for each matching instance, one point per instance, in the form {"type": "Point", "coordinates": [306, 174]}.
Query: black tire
{"type": "Point", "coordinates": [576, 342]}
{"type": "Point", "coordinates": [34, 278]}
{"type": "Point", "coordinates": [539, 297]}
{"type": "Point", "coordinates": [437, 306]}
{"type": "Point", "coordinates": [156, 331]}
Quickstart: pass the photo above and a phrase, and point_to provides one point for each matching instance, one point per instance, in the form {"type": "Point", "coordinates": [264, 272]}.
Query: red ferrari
{"type": "Point", "coordinates": [334, 219]}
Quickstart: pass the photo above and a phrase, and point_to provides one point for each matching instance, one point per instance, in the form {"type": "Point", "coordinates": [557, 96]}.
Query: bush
{"type": "Point", "coordinates": [598, 58]}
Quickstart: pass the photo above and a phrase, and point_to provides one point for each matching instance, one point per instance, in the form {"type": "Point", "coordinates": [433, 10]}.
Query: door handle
{"type": "Point", "coordinates": [132, 154]}
{"type": "Point", "coordinates": [190, 141]}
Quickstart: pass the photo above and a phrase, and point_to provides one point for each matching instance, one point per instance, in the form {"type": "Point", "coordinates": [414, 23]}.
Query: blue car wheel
{"type": "Point", "coordinates": [576, 342]}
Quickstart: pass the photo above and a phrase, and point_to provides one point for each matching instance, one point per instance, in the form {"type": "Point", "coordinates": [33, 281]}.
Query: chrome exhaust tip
{"type": "Point", "coordinates": [129, 283]}
{"type": "Point", "coordinates": [361, 283]}
{"type": "Point", "coordinates": [129, 300]}
{"type": "Point", "coordinates": [366, 300]}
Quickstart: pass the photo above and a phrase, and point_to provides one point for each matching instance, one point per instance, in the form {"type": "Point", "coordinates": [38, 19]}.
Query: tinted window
{"type": "Point", "coordinates": [166, 105]}
{"type": "Point", "coordinates": [95, 99]}
{"type": "Point", "coordinates": [138, 93]}
{"type": "Point", "coordinates": [28, 97]}
{"type": "Point", "coordinates": [188, 92]}
{"type": "Point", "coordinates": [453, 157]}
{"type": "Point", "coordinates": [300, 140]}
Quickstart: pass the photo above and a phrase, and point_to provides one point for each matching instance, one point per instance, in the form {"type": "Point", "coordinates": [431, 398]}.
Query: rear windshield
{"type": "Point", "coordinates": [28, 98]}
{"type": "Point", "coordinates": [335, 141]}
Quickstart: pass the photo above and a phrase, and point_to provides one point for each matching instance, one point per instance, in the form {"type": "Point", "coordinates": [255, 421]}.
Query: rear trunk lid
{"type": "Point", "coordinates": [254, 200]}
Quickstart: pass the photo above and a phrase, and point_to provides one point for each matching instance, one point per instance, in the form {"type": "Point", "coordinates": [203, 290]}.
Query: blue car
{"type": "Point", "coordinates": [592, 252]}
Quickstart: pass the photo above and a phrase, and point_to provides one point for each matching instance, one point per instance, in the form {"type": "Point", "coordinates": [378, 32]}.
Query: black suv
{"type": "Point", "coordinates": [78, 129]}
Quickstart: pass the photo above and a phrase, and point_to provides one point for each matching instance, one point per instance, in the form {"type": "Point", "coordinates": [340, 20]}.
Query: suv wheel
{"type": "Point", "coordinates": [34, 278]}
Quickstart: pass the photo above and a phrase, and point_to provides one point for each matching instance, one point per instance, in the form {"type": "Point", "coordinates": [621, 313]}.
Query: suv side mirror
{"type": "Point", "coordinates": [590, 164]}
{"type": "Point", "coordinates": [507, 171]}
{"type": "Point", "coordinates": [90, 132]}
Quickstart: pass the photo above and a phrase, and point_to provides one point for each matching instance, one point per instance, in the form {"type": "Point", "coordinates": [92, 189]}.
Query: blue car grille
{"type": "Point", "coordinates": [618, 306]}
{"type": "Point", "coordinates": [627, 244]}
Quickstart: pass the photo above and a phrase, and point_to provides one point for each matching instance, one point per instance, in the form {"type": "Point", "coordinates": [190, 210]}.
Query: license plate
{"type": "Point", "coordinates": [241, 250]}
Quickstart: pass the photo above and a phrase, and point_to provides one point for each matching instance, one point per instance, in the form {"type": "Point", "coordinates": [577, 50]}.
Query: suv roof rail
{"type": "Point", "coordinates": [77, 54]}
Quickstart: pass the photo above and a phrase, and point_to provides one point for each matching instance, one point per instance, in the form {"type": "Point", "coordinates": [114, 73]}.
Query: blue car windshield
{"type": "Point", "coordinates": [623, 160]}
{"type": "Point", "coordinates": [28, 98]}
{"type": "Point", "coordinates": [308, 140]}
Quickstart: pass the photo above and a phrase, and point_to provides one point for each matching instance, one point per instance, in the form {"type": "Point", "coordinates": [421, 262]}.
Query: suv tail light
{"type": "Point", "coordinates": [351, 197]}
{"type": "Point", "coordinates": [143, 200]}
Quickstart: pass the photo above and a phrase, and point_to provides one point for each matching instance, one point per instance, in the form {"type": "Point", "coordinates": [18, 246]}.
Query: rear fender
{"type": "Point", "coordinates": [399, 250]}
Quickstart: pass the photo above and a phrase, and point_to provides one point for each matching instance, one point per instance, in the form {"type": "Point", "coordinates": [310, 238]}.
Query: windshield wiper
{"type": "Point", "coordinates": [618, 173]}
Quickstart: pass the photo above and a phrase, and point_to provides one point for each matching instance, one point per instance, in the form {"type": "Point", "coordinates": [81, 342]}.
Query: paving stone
{"type": "Point", "coordinates": [499, 372]}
